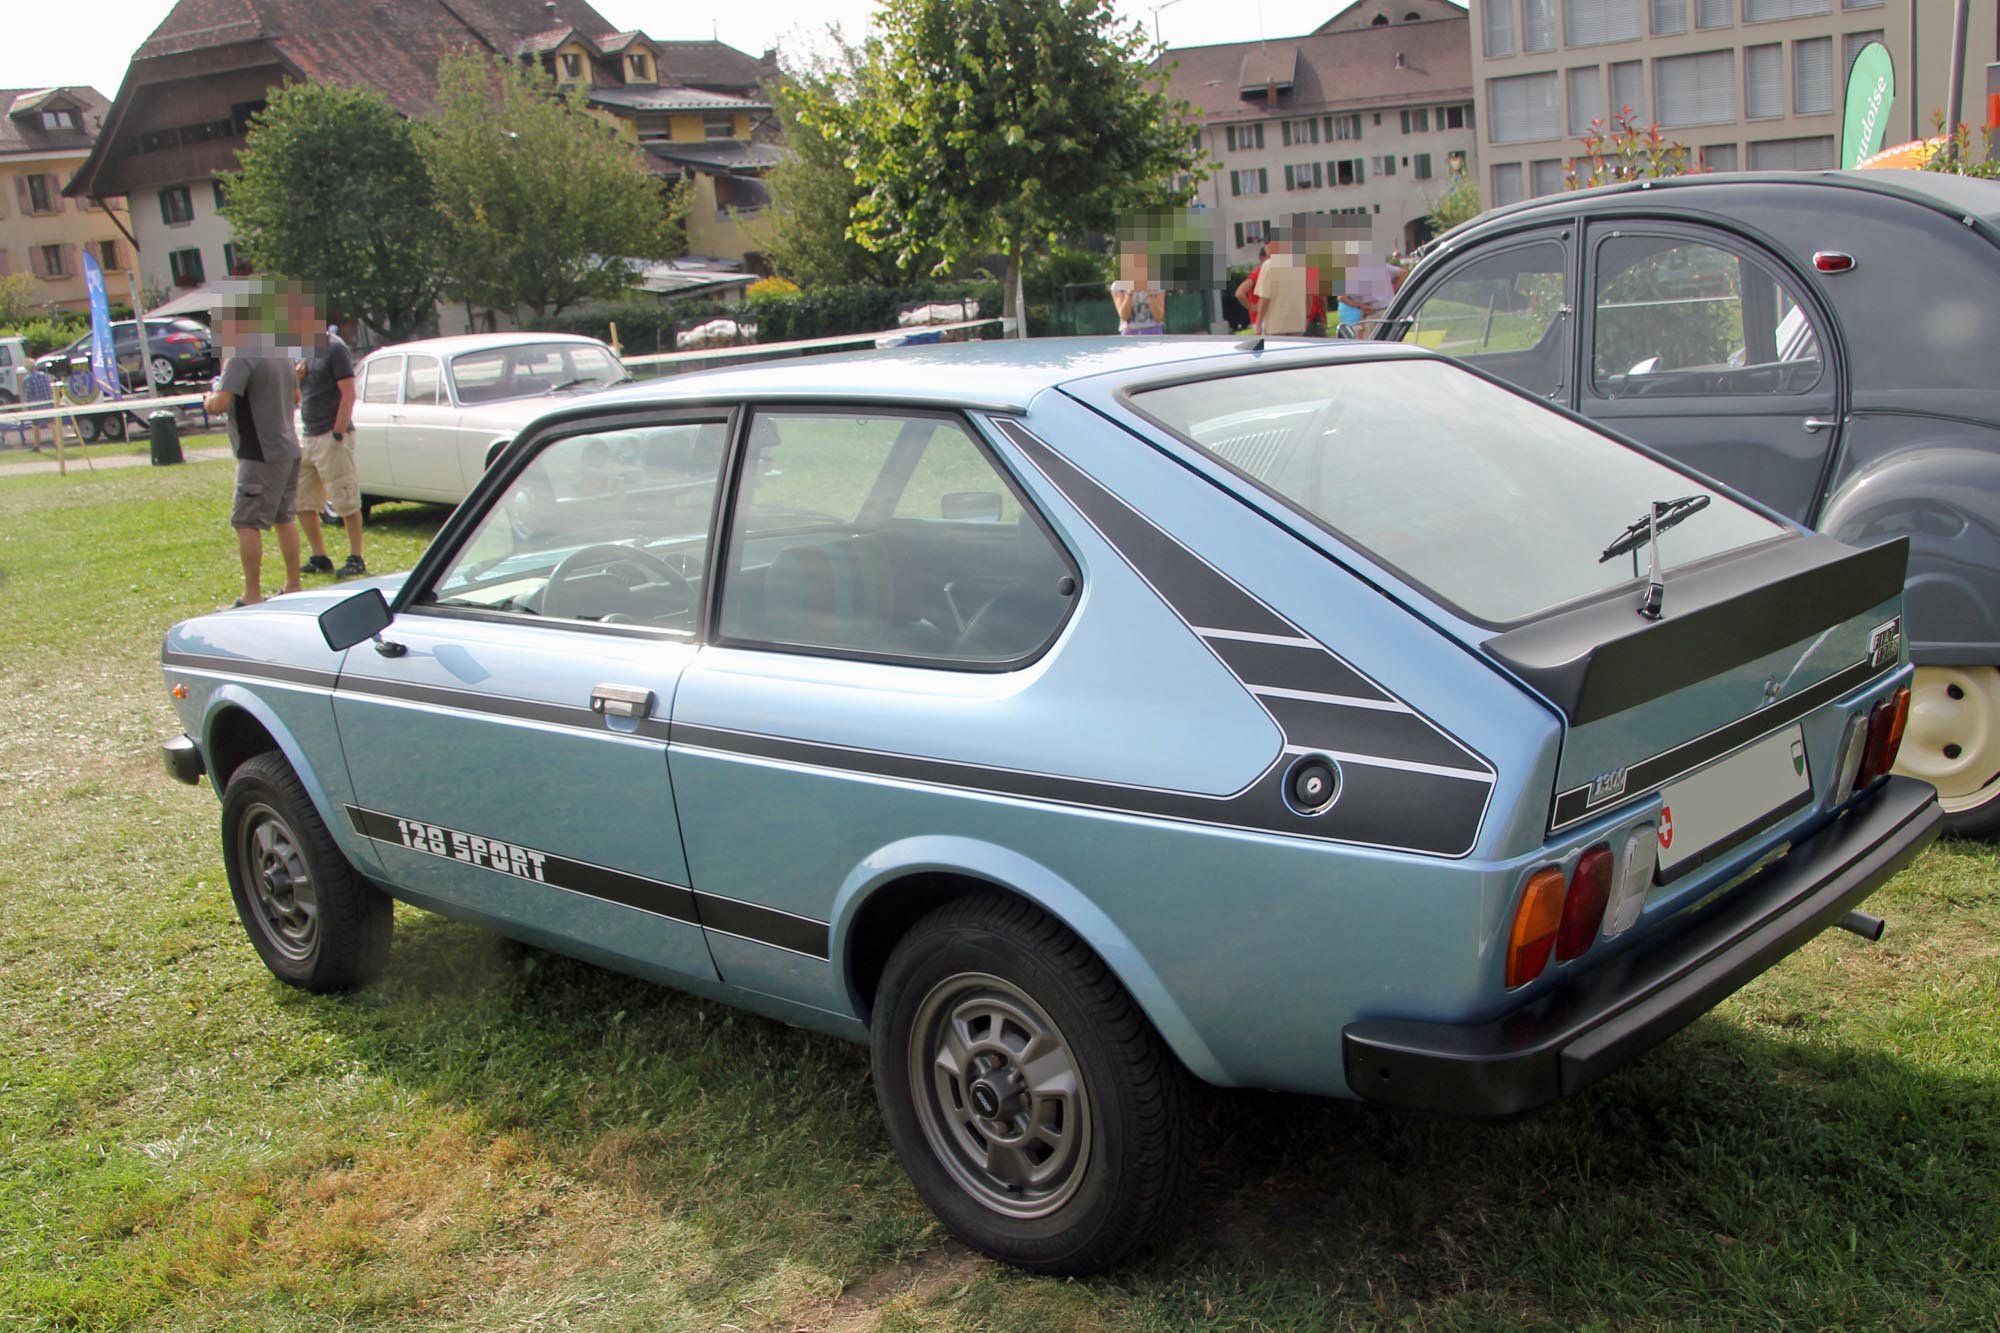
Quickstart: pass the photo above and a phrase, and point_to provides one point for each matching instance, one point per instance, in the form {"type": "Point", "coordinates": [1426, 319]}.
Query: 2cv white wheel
{"type": "Point", "coordinates": [1953, 742]}
{"type": "Point", "coordinates": [1035, 1108]}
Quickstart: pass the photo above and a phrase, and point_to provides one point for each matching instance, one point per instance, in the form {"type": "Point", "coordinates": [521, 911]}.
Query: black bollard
{"type": "Point", "coordinates": [166, 439]}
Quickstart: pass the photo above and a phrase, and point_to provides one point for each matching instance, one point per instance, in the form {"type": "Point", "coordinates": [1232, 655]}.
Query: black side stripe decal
{"type": "Point", "coordinates": [1406, 784]}
{"type": "Point", "coordinates": [676, 902]}
{"type": "Point", "coordinates": [1574, 805]}
{"type": "Point", "coordinates": [241, 666]}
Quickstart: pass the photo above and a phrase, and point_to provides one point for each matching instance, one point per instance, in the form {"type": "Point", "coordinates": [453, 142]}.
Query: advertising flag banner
{"type": "Point", "coordinates": [1871, 91]}
{"type": "Point", "coordinates": [103, 359]}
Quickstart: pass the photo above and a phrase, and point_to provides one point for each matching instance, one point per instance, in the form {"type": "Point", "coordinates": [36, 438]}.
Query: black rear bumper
{"type": "Point", "coordinates": [1568, 1037]}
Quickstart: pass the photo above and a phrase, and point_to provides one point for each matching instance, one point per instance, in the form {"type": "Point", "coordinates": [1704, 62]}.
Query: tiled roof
{"type": "Point", "coordinates": [724, 157]}
{"type": "Point", "coordinates": [1375, 13]}
{"type": "Point", "coordinates": [1372, 66]}
{"type": "Point", "coordinates": [21, 127]}
{"type": "Point", "coordinates": [707, 65]}
{"type": "Point", "coordinates": [544, 42]}
{"type": "Point", "coordinates": [672, 99]}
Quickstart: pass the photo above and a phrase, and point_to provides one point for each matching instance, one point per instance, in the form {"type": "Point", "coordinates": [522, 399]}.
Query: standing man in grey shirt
{"type": "Point", "coordinates": [255, 392]}
{"type": "Point", "coordinates": [326, 472]}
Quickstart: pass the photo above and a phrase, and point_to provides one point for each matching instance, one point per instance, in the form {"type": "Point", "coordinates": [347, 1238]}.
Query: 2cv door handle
{"type": "Point", "coordinates": [621, 701]}
{"type": "Point", "coordinates": [1813, 425]}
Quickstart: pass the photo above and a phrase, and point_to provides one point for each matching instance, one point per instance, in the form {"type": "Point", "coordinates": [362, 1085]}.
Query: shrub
{"type": "Point", "coordinates": [818, 312]}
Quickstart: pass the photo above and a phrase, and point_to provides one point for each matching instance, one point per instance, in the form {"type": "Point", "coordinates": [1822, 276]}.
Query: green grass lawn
{"type": "Point", "coordinates": [494, 1137]}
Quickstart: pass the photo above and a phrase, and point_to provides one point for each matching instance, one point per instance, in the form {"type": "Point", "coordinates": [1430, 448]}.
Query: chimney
{"type": "Point", "coordinates": [1399, 61]}
{"type": "Point", "coordinates": [549, 8]}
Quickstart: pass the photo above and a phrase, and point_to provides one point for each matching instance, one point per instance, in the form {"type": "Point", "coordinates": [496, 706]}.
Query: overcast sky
{"type": "Point", "coordinates": [49, 44]}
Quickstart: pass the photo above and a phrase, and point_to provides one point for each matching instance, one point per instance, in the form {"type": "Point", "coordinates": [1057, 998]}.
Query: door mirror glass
{"type": "Point", "coordinates": [1503, 312]}
{"type": "Point", "coordinates": [354, 620]}
{"type": "Point", "coordinates": [1676, 317]}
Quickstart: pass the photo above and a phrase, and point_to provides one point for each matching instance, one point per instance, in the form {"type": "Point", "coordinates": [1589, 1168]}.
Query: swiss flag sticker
{"type": "Point", "coordinates": [1666, 826]}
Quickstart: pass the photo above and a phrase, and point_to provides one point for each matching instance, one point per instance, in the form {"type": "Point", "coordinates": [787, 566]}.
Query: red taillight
{"type": "Point", "coordinates": [1535, 923]}
{"type": "Point", "coordinates": [1832, 261]}
{"type": "Point", "coordinates": [181, 338]}
{"type": "Point", "coordinates": [1583, 906]}
{"type": "Point", "coordinates": [1885, 737]}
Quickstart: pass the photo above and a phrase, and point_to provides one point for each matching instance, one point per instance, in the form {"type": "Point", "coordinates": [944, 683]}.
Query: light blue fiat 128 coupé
{"type": "Point", "coordinates": [1075, 720]}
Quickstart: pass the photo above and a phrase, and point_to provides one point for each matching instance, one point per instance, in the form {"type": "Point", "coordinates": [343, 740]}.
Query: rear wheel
{"type": "Point", "coordinates": [1953, 742]}
{"type": "Point", "coordinates": [1035, 1108]}
{"type": "Point", "coordinates": [163, 371]}
{"type": "Point", "coordinates": [316, 923]}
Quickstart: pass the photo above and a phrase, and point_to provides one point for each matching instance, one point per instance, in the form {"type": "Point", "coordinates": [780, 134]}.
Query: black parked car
{"type": "Point", "coordinates": [181, 349]}
{"type": "Point", "coordinates": [1823, 342]}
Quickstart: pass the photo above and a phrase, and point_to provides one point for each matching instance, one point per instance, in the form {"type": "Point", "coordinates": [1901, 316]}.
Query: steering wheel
{"type": "Point", "coordinates": [603, 558]}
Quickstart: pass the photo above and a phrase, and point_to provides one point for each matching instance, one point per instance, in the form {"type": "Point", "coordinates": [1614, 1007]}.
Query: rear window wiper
{"type": "Point", "coordinates": [1646, 530]}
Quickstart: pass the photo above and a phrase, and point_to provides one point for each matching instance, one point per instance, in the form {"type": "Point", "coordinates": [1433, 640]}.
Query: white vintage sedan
{"type": "Point", "coordinates": [430, 415]}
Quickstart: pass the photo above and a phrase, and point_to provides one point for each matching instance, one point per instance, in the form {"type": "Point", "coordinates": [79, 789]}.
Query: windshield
{"type": "Point", "coordinates": [1497, 507]}
{"type": "Point", "coordinates": [500, 373]}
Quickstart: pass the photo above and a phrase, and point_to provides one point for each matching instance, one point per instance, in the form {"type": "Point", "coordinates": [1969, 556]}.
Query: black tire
{"type": "Point", "coordinates": [163, 371]}
{"type": "Point", "coordinates": [316, 923]}
{"type": "Point", "coordinates": [1981, 822]}
{"type": "Point", "coordinates": [1094, 1172]}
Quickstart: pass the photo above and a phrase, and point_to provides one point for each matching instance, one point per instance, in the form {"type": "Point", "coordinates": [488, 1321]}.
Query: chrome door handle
{"type": "Point", "coordinates": [621, 701]}
{"type": "Point", "coordinates": [1814, 424]}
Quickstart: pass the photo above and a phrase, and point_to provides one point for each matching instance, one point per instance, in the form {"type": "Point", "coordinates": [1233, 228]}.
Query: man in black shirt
{"type": "Point", "coordinates": [326, 471]}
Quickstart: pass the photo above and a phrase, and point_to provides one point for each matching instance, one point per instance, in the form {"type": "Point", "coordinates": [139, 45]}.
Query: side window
{"type": "Point", "coordinates": [423, 382]}
{"type": "Point", "coordinates": [610, 527]}
{"type": "Point", "coordinates": [1676, 317]}
{"type": "Point", "coordinates": [1503, 312]}
{"type": "Point", "coordinates": [382, 379]}
{"type": "Point", "coordinates": [887, 536]}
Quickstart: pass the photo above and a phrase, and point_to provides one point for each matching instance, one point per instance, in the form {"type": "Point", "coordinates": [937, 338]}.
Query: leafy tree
{"type": "Point", "coordinates": [980, 128]}
{"type": "Point", "coordinates": [539, 201]}
{"type": "Point", "coordinates": [1459, 203]}
{"type": "Point", "coordinates": [813, 191]}
{"type": "Point", "coordinates": [333, 191]}
{"type": "Point", "coordinates": [17, 299]}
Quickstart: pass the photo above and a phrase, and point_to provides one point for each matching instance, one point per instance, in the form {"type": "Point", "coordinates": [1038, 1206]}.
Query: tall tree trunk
{"type": "Point", "coordinates": [1013, 301]}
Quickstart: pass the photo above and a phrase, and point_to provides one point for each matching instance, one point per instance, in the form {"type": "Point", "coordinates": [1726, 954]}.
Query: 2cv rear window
{"type": "Point", "coordinates": [1495, 506]}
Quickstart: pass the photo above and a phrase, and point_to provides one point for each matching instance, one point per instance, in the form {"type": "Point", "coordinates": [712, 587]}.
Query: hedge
{"type": "Point", "coordinates": [821, 312]}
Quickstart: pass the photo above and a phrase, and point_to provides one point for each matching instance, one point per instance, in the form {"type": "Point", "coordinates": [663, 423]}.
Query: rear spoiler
{"type": "Point", "coordinates": [1604, 657]}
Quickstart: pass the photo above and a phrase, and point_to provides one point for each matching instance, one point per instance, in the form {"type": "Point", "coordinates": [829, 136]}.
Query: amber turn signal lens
{"type": "Point", "coordinates": [180, 691]}
{"type": "Point", "coordinates": [1583, 906]}
{"type": "Point", "coordinates": [1886, 721]}
{"type": "Point", "coordinates": [1535, 923]}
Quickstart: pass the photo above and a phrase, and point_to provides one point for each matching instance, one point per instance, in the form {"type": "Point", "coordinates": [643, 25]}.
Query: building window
{"type": "Point", "coordinates": [1861, 4]}
{"type": "Point", "coordinates": [1670, 17]}
{"type": "Point", "coordinates": [637, 68]}
{"type": "Point", "coordinates": [1812, 76]}
{"type": "Point", "coordinates": [1418, 121]}
{"type": "Point", "coordinates": [1420, 166]}
{"type": "Point", "coordinates": [40, 199]}
{"type": "Point", "coordinates": [1763, 11]}
{"type": "Point", "coordinates": [186, 267]}
{"type": "Point", "coordinates": [1303, 176]}
{"type": "Point", "coordinates": [1628, 89]}
{"type": "Point", "coordinates": [572, 68]}
{"type": "Point", "coordinates": [1254, 180]}
{"type": "Point", "coordinates": [1586, 100]}
{"type": "Point", "coordinates": [1763, 81]}
{"type": "Point", "coordinates": [1346, 171]}
{"type": "Point", "coordinates": [1522, 109]}
{"type": "Point", "coordinates": [1591, 22]}
{"type": "Point", "coordinates": [1507, 187]}
{"type": "Point", "coordinates": [1343, 127]}
{"type": "Point", "coordinates": [234, 260]}
{"type": "Point", "coordinates": [1713, 13]}
{"type": "Point", "coordinates": [1538, 25]}
{"type": "Point", "coordinates": [1252, 233]}
{"type": "Point", "coordinates": [1545, 176]}
{"type": "Point", "coordinates": [107, 256]}
{"type": "Point", "coordinates": [1452, 117]}
{"type": "Point", "coordinates": [1243, 137]}
{"type": "Point", "coordinates": [221, 196]}
{"type": "Point", "coordinates": [1814, 154]}
{"type": "Point", "coordinates": [1383, 166]}
{"type": "Point", "coordinates": [58, 120]}
{"type": "Point", "coordinates": [1293, 132]}
{"type": "Point", "coordinates": [51, 257]}
{"type": "Point", "coordinates": [718, 125]}
{"type": "Point", "coordinates": [176, 205]}
{"type": "Point", "coordinates": [1696, 90]}
{"type": "Point", "coordinates": [1499, 27]}
{"type": "Point", "coordinates": [1719, 157]}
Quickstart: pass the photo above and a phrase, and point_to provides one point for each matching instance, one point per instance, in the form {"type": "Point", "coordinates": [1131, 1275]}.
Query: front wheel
{"type": "Point", "coordinates": [316, 923]}
{"type": "Point", "coordinates": [1035, 1108]}
{"type": "Point", "coordinates": [1953, 742]}
{"type": "Point", "coordinates": [163, 371]}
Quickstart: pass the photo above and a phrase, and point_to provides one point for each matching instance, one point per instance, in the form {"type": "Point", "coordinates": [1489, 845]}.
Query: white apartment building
{"type": "Point", "coordinates": [1744, 84]}
{"type": "Point", "coordinates": [1367, 116]}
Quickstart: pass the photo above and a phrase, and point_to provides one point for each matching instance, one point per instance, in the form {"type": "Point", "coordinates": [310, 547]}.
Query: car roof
{"type": "Point", "coordinates": [1942, 192]}
{"type": "Point", "coordinates": [1000, 375]}
{"type": "Point", "coordinates": [454, 344]}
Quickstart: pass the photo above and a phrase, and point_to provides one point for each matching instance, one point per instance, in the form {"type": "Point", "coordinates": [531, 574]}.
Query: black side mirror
{"type": "Point", "coordinates": [362, 616]}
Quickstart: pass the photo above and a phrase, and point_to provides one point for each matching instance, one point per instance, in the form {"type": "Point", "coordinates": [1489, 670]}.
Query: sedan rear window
{"type": "Point", "coordinates": [1495, 506]}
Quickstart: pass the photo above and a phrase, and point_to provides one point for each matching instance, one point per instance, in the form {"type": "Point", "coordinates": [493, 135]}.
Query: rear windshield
{"type": "Point", "coordinates": [1497, 507]}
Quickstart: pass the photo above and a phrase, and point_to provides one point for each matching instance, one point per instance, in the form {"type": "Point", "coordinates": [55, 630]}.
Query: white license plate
{"type": "Point", "coordinates": [1731, 797]}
